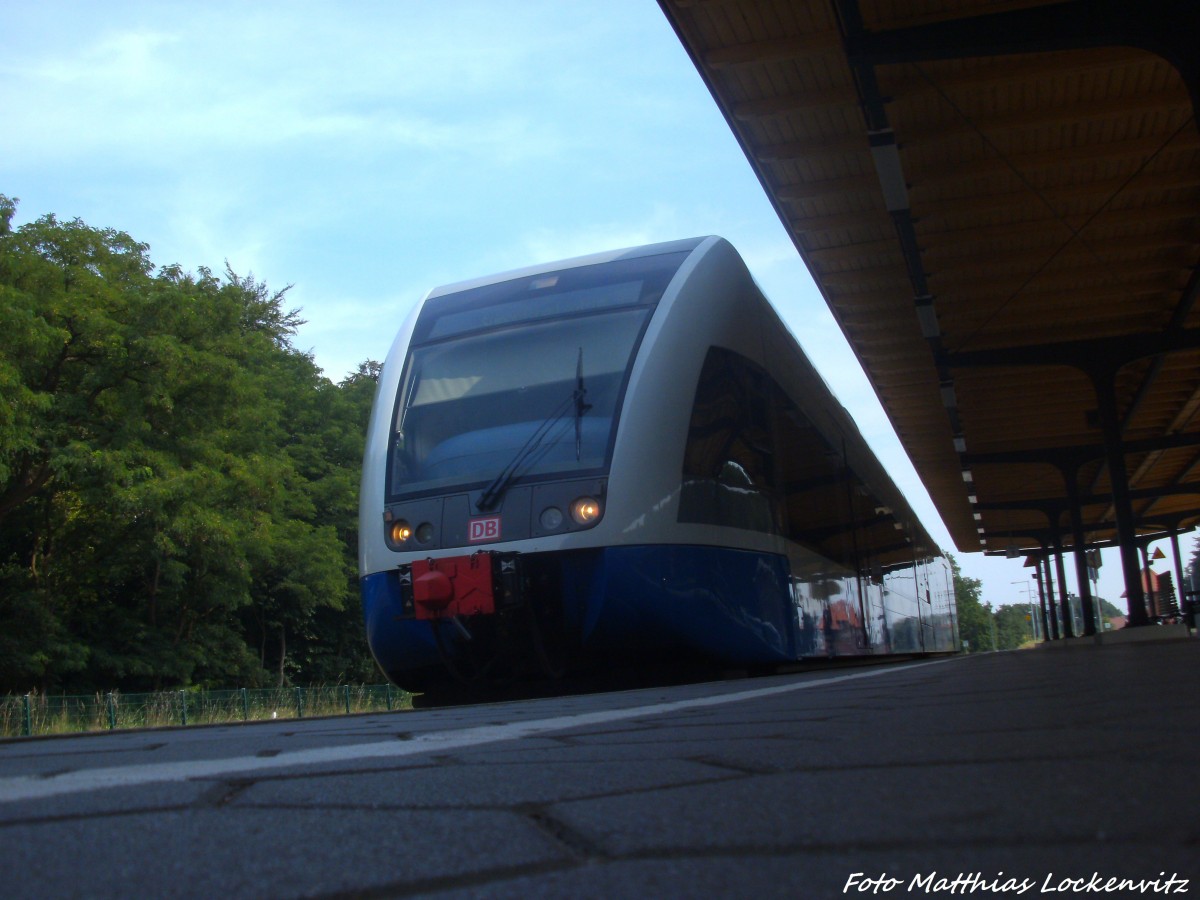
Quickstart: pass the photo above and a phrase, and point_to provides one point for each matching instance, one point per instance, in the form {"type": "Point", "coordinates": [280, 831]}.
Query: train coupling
{"type": "Point", "coordinates": [483, 583]}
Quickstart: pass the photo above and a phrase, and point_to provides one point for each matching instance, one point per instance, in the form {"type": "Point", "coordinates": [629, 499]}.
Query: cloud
{"type": "Point", "coordinates": [204, 78]}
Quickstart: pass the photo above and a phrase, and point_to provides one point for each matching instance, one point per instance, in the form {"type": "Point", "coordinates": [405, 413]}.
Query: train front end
{"type": "Point", "coordinates": [488, 457]}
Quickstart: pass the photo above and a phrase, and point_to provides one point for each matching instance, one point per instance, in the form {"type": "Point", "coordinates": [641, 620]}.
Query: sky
{"type": "Point", "coordinates": [366, 152]}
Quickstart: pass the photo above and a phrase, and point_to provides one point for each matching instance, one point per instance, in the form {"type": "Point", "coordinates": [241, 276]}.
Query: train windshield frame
{"type": "Point", "coordinates": [526, 376]}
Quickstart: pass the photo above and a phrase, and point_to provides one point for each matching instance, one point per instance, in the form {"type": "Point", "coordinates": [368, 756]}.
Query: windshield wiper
{"type": "Point", "coordinates": [580, 406]}
{"type": "Point", "coordinates": [494, 491]}
{"type": "Point", "coordinates": [500, 483]}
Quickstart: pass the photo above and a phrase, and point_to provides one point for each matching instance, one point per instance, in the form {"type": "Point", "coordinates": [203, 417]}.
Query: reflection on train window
{"type": "Point", "coordinates": [754, 460]}
{"type": "Point", "coordinates": [572, 292]}
{"type": "Point", "coordinates": [729, 459]}
{"type": "Point", "coordinates": [471, 405]}
{"type": "Point", "coordinates": [818, 489]}
{"type": "Point", "coordinates": [524, 375]}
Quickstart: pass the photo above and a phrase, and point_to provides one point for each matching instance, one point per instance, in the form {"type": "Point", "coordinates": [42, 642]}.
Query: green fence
{"type": "Point", "coordinates": [36, 713]}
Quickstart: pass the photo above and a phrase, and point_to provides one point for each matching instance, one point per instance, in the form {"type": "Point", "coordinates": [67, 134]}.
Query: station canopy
{"type": "Point", "coordinates": [1000, 203]}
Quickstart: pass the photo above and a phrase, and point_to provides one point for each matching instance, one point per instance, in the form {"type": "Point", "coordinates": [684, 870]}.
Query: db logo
{"type": "Point", "coordinates": [485, 529]}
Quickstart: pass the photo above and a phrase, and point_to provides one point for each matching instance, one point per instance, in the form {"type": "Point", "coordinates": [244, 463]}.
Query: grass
{"type": "Point", "coordinates": [42, 714]}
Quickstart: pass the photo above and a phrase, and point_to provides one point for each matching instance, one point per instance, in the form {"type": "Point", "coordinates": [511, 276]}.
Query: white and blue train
{"type": "Point", "coordinates": [627, 454]}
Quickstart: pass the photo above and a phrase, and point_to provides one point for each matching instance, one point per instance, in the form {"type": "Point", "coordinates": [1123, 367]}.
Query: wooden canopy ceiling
{"type": "Point", "coordinates": [999, 201]}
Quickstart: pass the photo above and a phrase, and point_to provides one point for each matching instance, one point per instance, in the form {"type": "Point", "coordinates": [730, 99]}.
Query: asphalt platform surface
{"type": "Point", "coordinates": [1044, 772]}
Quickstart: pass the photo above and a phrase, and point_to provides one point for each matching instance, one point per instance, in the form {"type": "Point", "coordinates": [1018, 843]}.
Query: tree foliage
{"type": "Point", "coordinates": [177, 482]}
{"type": "Point", "coordinates": [981, 628]}
{"type": "Point", "coordinates": [974, 624]}
{"type": "Point", "coordinates": [1013, 626]}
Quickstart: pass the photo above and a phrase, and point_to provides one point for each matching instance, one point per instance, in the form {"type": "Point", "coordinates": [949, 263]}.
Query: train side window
{"type": "Point", "coordinates": [755, 460]}
{"type": "Point", "coordinates": [816, 487]}
{"type": "Point", "coordinates": [729, 459]}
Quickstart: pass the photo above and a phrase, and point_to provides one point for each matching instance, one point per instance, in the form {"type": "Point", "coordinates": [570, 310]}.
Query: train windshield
{"type": "Point", "coordinates": [521, 380]}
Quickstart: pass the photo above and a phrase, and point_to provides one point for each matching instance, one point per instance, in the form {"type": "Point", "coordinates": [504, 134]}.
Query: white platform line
{"type": "Point", "coordinates": [32, 787]}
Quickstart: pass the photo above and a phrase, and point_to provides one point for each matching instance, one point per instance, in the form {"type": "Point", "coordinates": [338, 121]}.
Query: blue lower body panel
{"type": "Point", "coordinates": [651, 601]}
{"type": "Point", "coordinates": [397, 644]}
{"type": "Point", "coordinates": [731, 605]}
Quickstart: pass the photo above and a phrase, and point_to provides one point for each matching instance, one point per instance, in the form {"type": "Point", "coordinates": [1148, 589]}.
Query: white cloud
{"type": "Point", "coordinates": [210, 78]}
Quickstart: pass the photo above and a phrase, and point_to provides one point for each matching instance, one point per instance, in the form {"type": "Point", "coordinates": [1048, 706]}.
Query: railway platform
{"type": "Point", "coordinates": [1070, 772]}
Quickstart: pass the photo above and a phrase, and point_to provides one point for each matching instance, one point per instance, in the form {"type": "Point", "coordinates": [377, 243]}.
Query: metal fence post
{"type": "Point", "coordinates": [299, 704]}
{"type": "Point", "coordinates": [389, 696]}
{"type": "Point", "coordinates": [245, 706]}
{"type": "Point", "coordinates": [347, 688]}
{"type": "Point", "coordinates": [28, 717]}
{"type": "Point", "coordinates": [112, 711]}
{"type": "Point", "coordinates": [183, 707]}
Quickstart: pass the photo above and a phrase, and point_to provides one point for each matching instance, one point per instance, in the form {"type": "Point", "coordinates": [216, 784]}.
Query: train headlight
{"type": "Point", "coordinates": [551, 518]}
{"type": "Point", "coordinates": [399, 532]}
{"type": "Point", "coordinates": [585, 511]}
{"type": "Point", "coordinates": [424, 532]}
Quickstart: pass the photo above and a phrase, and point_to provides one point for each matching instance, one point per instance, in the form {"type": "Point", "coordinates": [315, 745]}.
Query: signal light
{"type": "Point", "coordinates": [399, 531]}
{"type": "Point", "coordinates": [585, 511]}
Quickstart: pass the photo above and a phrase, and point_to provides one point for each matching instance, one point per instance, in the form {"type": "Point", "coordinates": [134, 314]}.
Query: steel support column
{"type": "Point", "coordinates": [1127, 540]}
{"type": "Point", "coordinates": [1178, 560]}
{"type": "Point", "coordinates": [1037, 564]}
{"type": "Point", "coordinates": [1064, 598]}
{"type": "Point", "coordinates": [1051, 606]}
{"type": "Point", "coordinates": [1070, 478]}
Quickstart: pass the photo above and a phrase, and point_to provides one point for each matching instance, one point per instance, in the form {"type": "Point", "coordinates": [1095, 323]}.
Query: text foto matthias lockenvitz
{"type": "Point", "coordinates": [978, 883]}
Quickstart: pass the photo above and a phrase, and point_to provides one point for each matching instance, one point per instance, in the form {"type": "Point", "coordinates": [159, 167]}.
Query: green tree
{"type": "Point", "coordinates": [974, 621]}
{"type": "Point", "coordinates": [1013, 628]}
{"type": "Point", "coordinates": [72, 367]}
{"type": "Point", "coordinates": [177, 481]}
{"type": "Point", "coordinates": [317, 630]}
{"type": "Point", "coordinates": [74, 360]}
{"type": "Point", "coordinates": [334, 649]}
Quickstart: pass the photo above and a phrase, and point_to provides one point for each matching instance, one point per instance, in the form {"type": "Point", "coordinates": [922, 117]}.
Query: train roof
{"type": "Point", "coordinates": [591, 259]}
